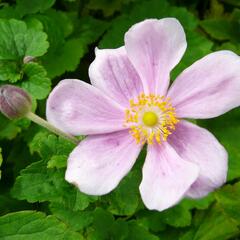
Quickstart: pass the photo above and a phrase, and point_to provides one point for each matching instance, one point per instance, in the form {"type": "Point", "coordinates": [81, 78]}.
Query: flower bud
{"type": "Point", "coordinates": [28, 59]}
{"type": "Point", "coordinates": [14, 102]}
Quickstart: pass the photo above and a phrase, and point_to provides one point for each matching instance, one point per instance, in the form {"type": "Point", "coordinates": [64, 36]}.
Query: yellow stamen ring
{"type": "Point", "coordinates": [151, 118]}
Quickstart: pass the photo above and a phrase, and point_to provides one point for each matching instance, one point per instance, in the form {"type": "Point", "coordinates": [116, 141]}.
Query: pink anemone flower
{"type": "Point", "coordinates": [130, 103]}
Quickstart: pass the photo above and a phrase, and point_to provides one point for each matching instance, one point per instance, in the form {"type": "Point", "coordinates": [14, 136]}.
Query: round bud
{"type": "Point", "coordinates": [28, 59]}
{"type": "Point", "coordinates": [14, 101]}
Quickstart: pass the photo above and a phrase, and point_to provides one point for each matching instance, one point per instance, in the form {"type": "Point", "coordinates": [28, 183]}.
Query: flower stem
{"type": "Point", "coordinates": [40, 121]}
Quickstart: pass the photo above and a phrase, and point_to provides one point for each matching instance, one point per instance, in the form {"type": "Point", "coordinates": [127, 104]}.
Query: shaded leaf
{"type": "Point", "coordinates": [125, 199]}
{"type": "Point", "coordinates": [0, 161]}
{"type": "Point", "coordinates": [33, 6]}
{"type": "Point", "coordinates": [228, 199]}
{"type": "Point", "coordinates": [146, 9]}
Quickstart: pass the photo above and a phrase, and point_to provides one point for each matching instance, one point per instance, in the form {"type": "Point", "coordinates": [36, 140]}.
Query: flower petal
{"type": "Point", "coordinates": [98, 164]}
{"type": "Point", "coordinates": [166, 177]}
{"type": "Point", "coordinates": [80, 109]}
{"type": "Point", "coordinates": [155, 47]}
{"type": "Point", "coordinates": [208, 88]}
{"type": "Point", "coordinates": [113, 73]}
{"type": "Point", "coordinates": [197, 145]}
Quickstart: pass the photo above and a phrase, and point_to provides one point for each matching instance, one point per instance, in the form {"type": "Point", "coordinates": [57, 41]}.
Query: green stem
{"type": "Point", "coordinates": [40, 121]}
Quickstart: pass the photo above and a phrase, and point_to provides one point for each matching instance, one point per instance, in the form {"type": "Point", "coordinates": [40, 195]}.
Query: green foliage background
{"type": "Point", "coordinates": [35, 200]}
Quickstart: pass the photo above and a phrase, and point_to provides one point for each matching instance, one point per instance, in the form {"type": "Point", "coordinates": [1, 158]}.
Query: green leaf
{"type": "Point", "coordinates": [65, 54]}
{"type": "Point", "coordinates": [104, 227]}
{"type": "Point", "coordinates": [146, 9]}
{"type": "Point", "coordinates": [201, 203]}
{"type": "Point", "coordinates": [33, 23]}
{"type": "Point", "coordinates": [215, 226]}
{"type": "Point", "coordinates": [58, 26]}
{"type": "Point", "coordinates": [37, 183]}
{"type": "Point", "coordinates": [197, 47]}
{"type": "Point", "coordinates": [125, 199]}
{"type": "Point", "coordinates": [17, 41]}
{"type": "Point", "coordinates": [221, 29]}
{"type": "Point", "coordinates": [108, 7]}
{"type": "Point", "coordinates": [78, 220]}
{"type": "Point", "coordinates": [8, 129]}
{"type": "Point", "coordinates": [31, 225]}
{"type": "Point", "coordinates": [230, 46]}
{"type": "Point", "coordinates": [102, 224]}
{"type": "Point", "coordinates": [10, 70]}
{"type": "Point", "coordinates": [119, 230]}
{"type": "Point", "coordinates": [36, 42]}
{"type": "Point", "coordinates": [228, 199]}
{"type": "Point", "coordinates": [33, 6]}
{"type": "Point", "coordinates": [89, 29]}
{"type": "Point", "coordinates": [137, 232]}
{"type": "Point", "coordinates": [65, 59]}
{"type": "Point", "coordinates": [57, 161]}
{"type": "Point", "coordinates": [9, 204]}
{"type": "Point", "coordinates": [232, 2]}
{"type": "Point", "coordinates": [36, 81]}
{"type": "Point", "coordinates": [12, 38]}
{"type": "Point", "coordinates": [7, 11]}
{"type": "Point", "coordinates": [48, 146]}
{"type": "Point", "coordinates": [151, 220]}
{"type": "Point", "coordinates": [178, 216]}
{"type": "Point", "coordinates": [226, 128]}
{"type": "Point", "coordinates": [1, 159]}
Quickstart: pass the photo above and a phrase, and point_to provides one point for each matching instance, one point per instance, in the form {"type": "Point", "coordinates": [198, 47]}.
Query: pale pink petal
{"type": "Point", "coordinates": [81, 109]}
{"type": "Point", "coordinates": [208, 88]}
{"type": "Point", "coordinates": [99, 163]}
{"type": "Point", "coordinates": [113, 73]}
{"type": "Point", "coordinates": [166, 177]}
{"type": "Point", "coordinates": [197, 145]}
{"type": "Point", "coordinates": [155, 47]}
